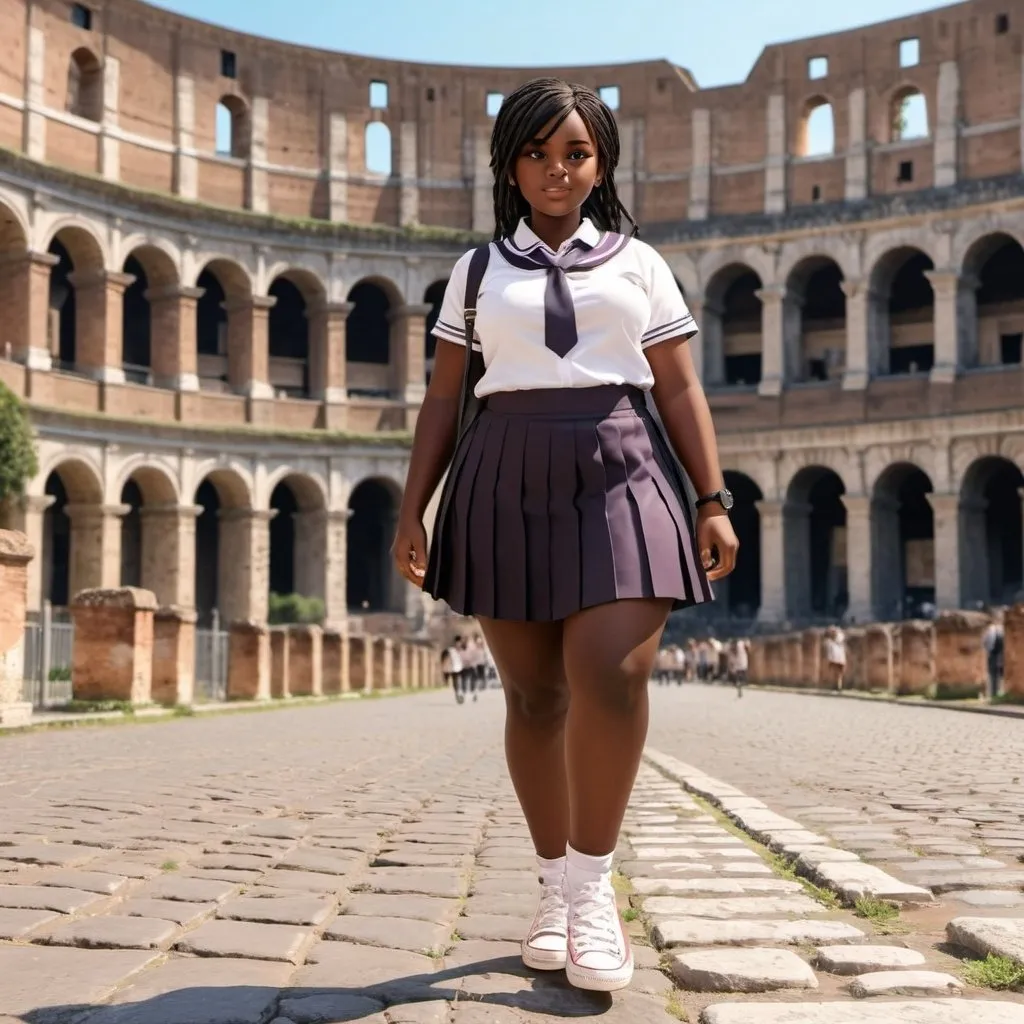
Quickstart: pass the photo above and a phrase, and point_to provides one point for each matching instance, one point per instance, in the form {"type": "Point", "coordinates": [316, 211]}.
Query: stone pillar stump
{"type": "Point", "coordinates": [1013, 652]}
{"type": "Point", "coordinates": [112, 655]}
{"type": "Point", "coordinates": [878, 657]}
{"type": "Point", "coordinates": [280, 667]}
{"type": "Point", "coordinates": [332, 661]}
{"type": "Point", "coordinates": [305, 661]}
{"type": "Point", "coordinates": [248, 661]}
{"type": "Point", "coordinates": [15, 554]}
{"type": "Point", "coordinates": [174, 656]}
{"type": "Point", "coordinates": [961, 669]}
{"type": "Point", "coordinates": [404, 662]}
{"type": "Point", "coordinates": [361, 663]}
{"type": "Point", "coordinates": [917, 657]}
{"type": "Point", "coordinates": [755, 660]}
{"type": "Point", "coordinates": [386, 653]}
{"type": "Point", "coordinates": [811, 658]}
{"type": "Point", "coordinates": [793, 654]}
{"type": "Point", "coordinates": [855, 677]}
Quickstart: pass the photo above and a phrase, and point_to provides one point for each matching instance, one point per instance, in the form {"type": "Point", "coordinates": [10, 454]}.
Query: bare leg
{"type": "Point", "coordinates": [528, 656]}
{"type": "Point", "coordinates": [609, 652]}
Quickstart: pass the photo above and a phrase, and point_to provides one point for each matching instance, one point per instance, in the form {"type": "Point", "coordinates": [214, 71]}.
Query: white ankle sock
{"type": "Point", "coordinates": [551, 871]}
{"type": "Point", "coordinates": [583, 865]}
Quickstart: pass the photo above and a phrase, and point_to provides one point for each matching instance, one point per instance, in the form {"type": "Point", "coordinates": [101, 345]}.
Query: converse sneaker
{"type": "Point", "coordinates": [545, 944]}
{"type": "Point", "coordinates": [600, 958]}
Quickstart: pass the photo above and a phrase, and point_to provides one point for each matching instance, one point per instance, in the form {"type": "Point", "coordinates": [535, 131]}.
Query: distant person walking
{"type": "Point", "coordinates": [452, 667]}
{"type": "Point", "coordinates": [835, 656]}
{"type": "Point", "coordinates": [993, 641]}
{"type": "Point", "coordinates": [739, 663]}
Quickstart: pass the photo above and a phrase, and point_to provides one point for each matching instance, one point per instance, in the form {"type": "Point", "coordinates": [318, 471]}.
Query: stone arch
{"type": "Point", "coordinates": [156, 482]}
{"type": "Point", "coordinates": [296, 331]}
{"type": "Point", "coordinates": [902, 542]}
{"type": "Point", "coordinates": [814, 320]}
{"type": "Point", "coordinates": [232, 127]}
{"type": "Point", "coordinates": [814, 538]}
{"type": "Point", "coordinates": [742, 588]}
{"type": "Point", "coordinates": [298, 534]}
{"type": "Point", "coordinates": [433, 296]}
{"type": "Point", "coordinates": [901, 312]}
{"type": "Point", "coordinates": [991, 527]}
{"type": "Point", "coordinates": [77, 307]}
{"type": "Point", "coordinates": [154, 274]}
{"type": "Point", "coordinates": [373, 582]}
{"type": "Point", "coordinates": [72, 548]}
{"type": "Point", "coordinates": [368, 341]}
{"type": "Point", "coordinates": [84, 96]}
{"type": "Point", "coordinates": [14, 232]}
{"type": "Point", "coordinates": [816, 128]}
{"type": "Point", "coordinates": [733, 326]}
{"type": "Point", "coordinates": [223, 323]}
{"type": "Point", "coordinates": [685, 271]}
{"type": "Point", "coordinates": [13, 281]}
{"type": "Point", "coordinates": [909, 117]}
{"type": "Point", "coordinates": [150, 529]}
{"type": "Point", "coordinates": [990, 300]}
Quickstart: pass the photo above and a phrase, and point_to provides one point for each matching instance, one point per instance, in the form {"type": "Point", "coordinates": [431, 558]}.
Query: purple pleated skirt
{"type": "Point", "coordinates": [558, 500]}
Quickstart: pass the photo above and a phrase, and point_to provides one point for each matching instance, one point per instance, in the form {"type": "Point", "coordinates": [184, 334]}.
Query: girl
{"type": "Point", "coordinates": [566, 531]}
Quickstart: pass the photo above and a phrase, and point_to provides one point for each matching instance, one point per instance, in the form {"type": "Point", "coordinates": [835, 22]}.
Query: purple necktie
{"type": "Point", "coordinates": [559, 316]}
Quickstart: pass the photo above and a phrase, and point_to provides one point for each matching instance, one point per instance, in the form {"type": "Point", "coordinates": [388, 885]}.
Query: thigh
{"type": "Point", "coordinates": [614, 644]}
{"type": "Point", "coordinates": [528, 659]}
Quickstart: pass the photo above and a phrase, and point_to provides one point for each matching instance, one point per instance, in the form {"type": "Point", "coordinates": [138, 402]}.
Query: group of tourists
{"type": "Point", "coordinates": [709, 660]}
{"type": "Point", "coordinates": [468, 667]}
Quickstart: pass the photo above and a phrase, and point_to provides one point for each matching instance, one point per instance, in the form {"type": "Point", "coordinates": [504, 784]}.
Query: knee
{"type": "Point", "coordinates": [619, 689]}
{"type": "Point", "coordinates": [548, 704]}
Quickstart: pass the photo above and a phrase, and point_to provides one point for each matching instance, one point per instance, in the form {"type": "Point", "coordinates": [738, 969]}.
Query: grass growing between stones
{"type": "Point", "coordinates": [885, 916]}
{"type": "Point", "coordinates": [995, 972]}
{"type": "Point", "coordinates": [621, 884]}
{"type": "Point", "coordinates": [169, 865]}
{"type": "Point", "coordinates": [675, 1008]}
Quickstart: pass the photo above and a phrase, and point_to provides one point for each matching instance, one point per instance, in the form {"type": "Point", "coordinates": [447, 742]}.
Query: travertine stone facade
{"type": "Point", "coordinates": [15, 555]}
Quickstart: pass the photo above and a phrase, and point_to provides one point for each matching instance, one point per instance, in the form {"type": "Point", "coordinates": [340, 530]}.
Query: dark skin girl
{"type": "Point", "coordinates": [575, 690]}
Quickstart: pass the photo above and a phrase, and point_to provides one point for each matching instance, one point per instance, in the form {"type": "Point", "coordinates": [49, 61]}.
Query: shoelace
{"type": "Point", "coordinates": [595, 923]}
{"type": "Point", "coordinates": [551, 913]}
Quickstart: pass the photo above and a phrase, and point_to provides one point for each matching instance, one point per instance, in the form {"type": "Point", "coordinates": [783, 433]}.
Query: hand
{"type": "Point", "coordinates": [410, 550]}
{"type": "Point", "coordinates": [715, 537]}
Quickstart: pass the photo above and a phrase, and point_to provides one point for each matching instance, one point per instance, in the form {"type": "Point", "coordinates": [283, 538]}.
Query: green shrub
{"type": "Point", "coordinates": [295, 609]}
{"type": "Point", "coordinates": [18, 462]}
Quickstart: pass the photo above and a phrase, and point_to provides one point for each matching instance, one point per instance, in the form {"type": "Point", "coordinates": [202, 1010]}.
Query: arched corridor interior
{"type": "Point", "coordinates": [288, 339]}
{"type": "Point", "coordinates": [815, 321]}
{"type": "Point", "coordinates": [282, 540]}
{"type": "Point", "coordinates": [433, 297]}
{"type": "Point", "coordinates": [56, 545]}
{"type": "Point", "coordinates": [136, 324]}
{"type": "Point", "coordinates": [207, 552]}
{"type": "Point", "coordinates": [740, 592]}
{"type": "Point", "coordinates": [998, 300]}
{"type": "Point", "coordinates": [815, 545]}
{"type": "Point", "coordinates": [131, 536]}
{"type": "Point", "coordinates": [904, 328]}
{"type": "Point", "coordinates": [63, 311]}
{"type": "Point", "coordinates": [368, 341]}
{"type": "Point", "coordinates": [741, 330]}
{"type": "Point", "coordinates": [373, 582]}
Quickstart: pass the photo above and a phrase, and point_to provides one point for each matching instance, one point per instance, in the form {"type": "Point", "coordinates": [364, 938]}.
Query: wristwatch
{"type": "Point", "coordinates": [723, 497]}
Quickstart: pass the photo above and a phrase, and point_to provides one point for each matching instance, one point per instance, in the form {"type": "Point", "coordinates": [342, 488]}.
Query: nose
{"type": "Point", "coordinates": [556, 170]}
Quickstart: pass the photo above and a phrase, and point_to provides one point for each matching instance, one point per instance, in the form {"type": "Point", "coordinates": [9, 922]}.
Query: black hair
{"type": "Point", "coordinates": [522, 117]}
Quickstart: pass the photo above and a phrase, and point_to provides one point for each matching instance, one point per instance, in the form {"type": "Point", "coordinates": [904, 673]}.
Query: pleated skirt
{"type": "Point", "coordinates": [559, 500]}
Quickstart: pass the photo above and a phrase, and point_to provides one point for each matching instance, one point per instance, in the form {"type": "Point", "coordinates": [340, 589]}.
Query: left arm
{"type": "Point", "coordinates": [684, 411]}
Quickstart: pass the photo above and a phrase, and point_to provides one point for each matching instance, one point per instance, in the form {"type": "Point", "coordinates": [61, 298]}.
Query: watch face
{"type": "Point", "coordinates": [727, 500]}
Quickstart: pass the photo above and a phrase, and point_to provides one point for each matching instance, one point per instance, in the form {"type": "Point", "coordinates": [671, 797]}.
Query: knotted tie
{"type": "Point", "coordinates": [559, 315]}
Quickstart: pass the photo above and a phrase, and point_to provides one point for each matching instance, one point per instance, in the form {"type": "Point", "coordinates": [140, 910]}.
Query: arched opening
{"type": "Point", "coordinates": [433, 296]}
{"type": "Point", "coordinates": [903, 543]}
{"type": "Point", "coordinates": [282, 540]}
{"type": "Point", "coordinates": [85, 85]}
{"type": "Point", "coordinates": [991, 301]}
{"type": "Point", "coordinates": [13, 246]}
{"type": "Point", "coordinates": [815, 320]}
{"type": "Point", "coordinates": [222, 542]}
{"type": "Point", "coordinates": [732, 320]}
{"type": "Point", "coordinates": [368, 339]}
{"type": "Point", "coordinates": [991, 547]}
{"type": "Point", "coordinates": [151, 534]}
{"type": "Point", "coordinates": [909, 114]}
{"type": "Point", "coordinates": [225, 289]}
{"type": "Point", "coordinates": [903, 313]}
{"type": "Point", "coordinates": [298, 538]}
{"type": "Point", "coordinates": [288, 332]}
{"type": "Point", "coordinates": [131, 536]}
{"type": "Point", "coordinates": [818, 133]}
{"type": "Point", "coordinates": [136, 324]}
{"type": "Point", "coordinates": [72, 532]}
{"type": "Point", "coordinates": [742, 594]}
{"type": "Point", "coordinates": [63, 313]}
{"type": "Point", "coordinates": [378, 148]}
{"type": "Point", "coordinates": [77, 307]}
{"type": "Point", "coordinates": [815, 545]}
{"type": "Point", "coordinates": [373, 584]}
{"type": "Point", "coordinates": [232, 128]}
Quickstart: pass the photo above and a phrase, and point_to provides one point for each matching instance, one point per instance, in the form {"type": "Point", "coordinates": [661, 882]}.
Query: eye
{"type": "Point", "coordinates": [579, 154]}
{"type": "Point", "coordinates": [534, 154]}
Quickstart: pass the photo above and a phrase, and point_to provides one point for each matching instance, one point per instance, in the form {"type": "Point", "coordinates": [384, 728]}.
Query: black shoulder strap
{"type": "Point", "coordinates": [474, 276]}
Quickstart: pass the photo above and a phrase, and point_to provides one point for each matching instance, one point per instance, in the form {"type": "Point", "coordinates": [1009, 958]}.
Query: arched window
{"type": "Point", "coordinates": [819, 133]}
{"type": "Point", "coordinates": [378, 148]}
{"type": "Point", "coordinates": [85, 85]}
{"type": "Point", "coordinates": [232, 128]}
{"type": "Point", "coordinates": [909, 115]}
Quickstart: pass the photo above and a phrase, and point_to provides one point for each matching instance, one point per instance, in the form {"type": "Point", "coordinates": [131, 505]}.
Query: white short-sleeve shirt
{"type": "Point", "coordinates": [623, 306]}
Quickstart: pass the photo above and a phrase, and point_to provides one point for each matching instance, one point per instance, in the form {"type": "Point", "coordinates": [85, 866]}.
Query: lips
{"type": "Point", "coordinates": [557, 190]}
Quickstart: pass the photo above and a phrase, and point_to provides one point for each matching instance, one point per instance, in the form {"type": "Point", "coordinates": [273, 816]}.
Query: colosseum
{"type": "Point", "coordinates": [222, 256]}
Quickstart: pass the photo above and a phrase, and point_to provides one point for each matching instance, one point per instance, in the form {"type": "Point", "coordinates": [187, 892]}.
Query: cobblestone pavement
{"type": "Point", "coordinates": [366, 861]}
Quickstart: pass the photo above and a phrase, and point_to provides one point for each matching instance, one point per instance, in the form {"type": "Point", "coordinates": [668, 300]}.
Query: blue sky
{"type": "Point", "coordinates": [718, 41]}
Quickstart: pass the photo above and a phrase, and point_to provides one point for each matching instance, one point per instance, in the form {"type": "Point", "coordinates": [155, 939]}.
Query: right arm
{"type": "Point", "coordinates": [432, 448]}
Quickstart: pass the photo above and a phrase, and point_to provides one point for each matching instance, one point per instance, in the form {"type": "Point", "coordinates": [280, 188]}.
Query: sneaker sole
{"type": "Point", "coordinates": [543, 959]}
{"type": "Point", "coordinates": [598, 981]}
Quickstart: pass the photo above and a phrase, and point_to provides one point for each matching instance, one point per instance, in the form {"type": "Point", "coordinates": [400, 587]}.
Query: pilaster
{"type": "Point", "coordinates": [186, 163]}
{"type": "Point", "coordinates": [946, 534]}
{"type": "Point", "coordinates": [773, 349]}
{"type": "Point", "coordinates": [99, 345]}
{"type": "Point", "coordinates": [34, 122]}
{"type": "Point", "coordinates": [175, 365]}
{"type": "Point", "coordinates": [775, 164]}
{"type": "Point", "coordinates": [25, 301]}
{"type": "Point", "coordinates": [408, 339]}
{"type": "Point", "coordinates": [857, 176]}
{"type": "Point", "coordinates": [110, 145]}
{"type": "Point", "coordinates": [773, 570]}
{"type": "Point", "coordinates": [858, 557]}
{"type": "Point", "coordinates": [257, 182]}
{"type": "Point", "coordinates": [169, 553]}
{"type": "Point", "coordinates": [95, 546]}
{"type": "Point", "coordinates": [408, 170]}
{"type": "Point", "coordinates": [337, 166]}
{"type": "Point", "coordinates": [700, 171]}
{"type": "Point", "coordinates": [248, 346]}
{"type": "Point", "coordinates": [947, 125]}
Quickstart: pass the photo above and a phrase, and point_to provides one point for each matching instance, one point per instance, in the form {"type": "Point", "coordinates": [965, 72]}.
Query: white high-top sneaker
{"type": "Point", "coordinates": [600, 957]}
{"type": "Point", "coordinates": [544, 948]}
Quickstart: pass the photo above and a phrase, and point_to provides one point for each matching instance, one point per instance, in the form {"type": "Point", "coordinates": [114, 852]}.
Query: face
{"type": "Point", "coordinates": [556, 177]}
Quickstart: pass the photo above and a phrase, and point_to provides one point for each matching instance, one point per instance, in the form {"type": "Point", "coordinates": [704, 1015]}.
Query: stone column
{"type": "Point", "coordinates": [408, 172]}
{"type": "Point", "coordinates": [408, 347]}
{"type": "Point", "coordinates": [775, 198]}
{"type": "Point", "coordinates": [169, 552]}
{"type": "Point", "coordinates": [946, 520]}
{"type": "Point", "coordinates": [28, 516]}
{"type": "Point", "coordinates": [186, 163]}
{"type": "Point", "coordinates": [321, 543]}
{"type": "Point", "coordinates": [34, 123]}
{"type": "Point", "coordinates": [857, 178]}
{"type": "Point", "coordinates": [886, 558]}
{"type": "Point", "coordinates": [773, 579]}
{"type": "Point", "coordinates": [112, 655]}
{"type": "Point", "coordinates": [305, 661]}
{"type": "Point", "coordinates": [950, 333]}
{"type": "Point", "coordinates": [797, 558]}
{"type": "Point", "coordinates": [858, 557]}
{"type": "Point", "coordinates": [773, 344]}
{"type": "Point", "coordinates": [15, 554]}
{"type": "Point", "coordinates": [248, 346]}
{"type": "Point", "coordinates": [361, 663]}
{"type": "Point", "coordinates": [95, 546]}
{"type": "Point", "coordinates": [700, 170]}
{"type": "Point", "coordinates": [337, 167]}
{"type": "Point", "coordinates": [482, 178]}
{"type": "Point", "coordinates": [257, 196]}
{"type": "Point", "coordinates": [249, 661]}
{"type": "Point", "coordinates": [947, 124]}
{"type": "Point", "coordinates": [174, 656]}
{"type": "Point", "coordinates": [280, 667]}
{"type": "Point", "coordinates": [244, 564]}
{"type": "Point", "coordinates": [708, 315]}
{"type": "Point", "coordinates": [975, 579]}
{"type": "Point", "coordinates": [99, 345]}
{"type": "Point", "coordinates": [25, 300]}
{"type": "Point", "coordinates": [630, 168]}
{"type": "Point", "coordinates": [327, 371]}
{"type": "Point", "coordinates": [110, 145]}
{"type": "Point", "coordinates": [174, 351]}
{"type": "Point", "coordinates": [859, 364]}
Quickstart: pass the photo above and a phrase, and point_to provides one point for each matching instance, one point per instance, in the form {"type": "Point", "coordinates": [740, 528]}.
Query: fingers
{"type": "Point", "coordinates": [718, 547]}
{"type": "Point", "coordinates": [410, 559]}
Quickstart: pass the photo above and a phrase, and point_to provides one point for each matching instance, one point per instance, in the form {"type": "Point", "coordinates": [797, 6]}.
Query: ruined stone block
{"type": "Point", "coordinates": [793, 657]}
{"type": "Point", "coordinates": [15, 554]}
{"type": "Point", "coordinates": [333, 651]}
{"type": "Point", "coordinates": [878, 657]}
{"type": "Point", "coordinates": [174, 656]}
{"type": "Point", "coordinates": [961, 669]}
{"type": "Point", "coordinates": [755, 660]}
{"type": "Point", "coordinates": [248, 661]}
{"type": "Point", "coordinates": [856, 660]}
{"type": "Point", "coordinates": [917, 657]}
{"type": "Point", "coordinates": [360, 663]}
{"type": "Point", "coordinates": [811, 656]}
{"type": "Point", "coordinates": [112, 655]}
{"type": "Point", "coordinates": [305, 661]}
{"type": "Point", "coordinates": [280, 669]}
{"type": "Point", "coordinates": [1013, 651]}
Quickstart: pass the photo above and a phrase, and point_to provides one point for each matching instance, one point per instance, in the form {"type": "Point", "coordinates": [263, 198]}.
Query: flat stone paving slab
{"type": "Point", "coordinates": [1007, 898]}
{"type": "Point", "coordinates": [847, 960]}
{"type": "Point", "coordinates": [714, 886]}
{"type": "Point", "coordinates": [422, 882]}
{"type": "Point", "coordinates": [420, 908]}
{"type": "Point", "coordinates": [198, 991]}
{"type": "Point", "coordinates": [17, 924]}
{"type": "Point", "coordinates": [188, 890]}
{"type": "Point", "coordinates": [341, 1006]}
{"type": "Point", "coordinates": [391, 932]}
{"type": "Point", "coordinates": [91, 881]}
{"type": "Point", "coordinates": [854, 880]}
{"type": "Point", "coordinates": [392, 974]}
{"type": "Point", "coordinates": [110, 933]}
{"type": "Point", "coordinates": [51, 853]}
{"type": "Point", "coordinates": [40, 978]}
{"type": "Point", "coordinates": [741, 970]}
{"type": "Point", "coordinates": [905, 983]}
{"type": "Point", "coordinates": [732, 907]}
{"type": "Point", "coordinates": [301, 910]}
{"type": "Point", "coordinates": [185, 914]}
{"type": "Point", "coordinates": [924, 1011]}
{"type": "Point", "coordinates": [245, 939]}
{"type": "Point", "coordinates": [984, 935]}
{"type": "Point", "coordinates": [695, 931]}
{"type": "Point", "coordinates": [41, 897]}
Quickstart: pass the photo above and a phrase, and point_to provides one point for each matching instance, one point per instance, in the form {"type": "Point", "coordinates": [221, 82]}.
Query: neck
{"type": "Point", "coordinates": [553, 231]}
